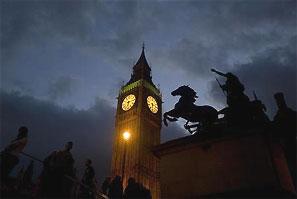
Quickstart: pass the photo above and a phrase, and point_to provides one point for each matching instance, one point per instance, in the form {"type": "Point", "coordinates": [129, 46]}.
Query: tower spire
{"type": "Point", "coordinates": [141, 70]}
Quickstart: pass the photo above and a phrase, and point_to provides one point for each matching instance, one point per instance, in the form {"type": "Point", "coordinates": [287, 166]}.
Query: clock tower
{"type": "Point", "coordinates": [137, 129]}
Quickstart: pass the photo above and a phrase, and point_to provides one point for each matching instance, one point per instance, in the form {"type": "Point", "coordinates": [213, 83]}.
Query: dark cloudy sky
{"type": "Point", "coordinates": [62, 62]}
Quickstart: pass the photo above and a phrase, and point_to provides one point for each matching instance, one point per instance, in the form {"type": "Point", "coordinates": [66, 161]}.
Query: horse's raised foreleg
{"type": "Point", "coordinates": [170, 115]}
{"type": "Point", "coordinates": [171, 119]}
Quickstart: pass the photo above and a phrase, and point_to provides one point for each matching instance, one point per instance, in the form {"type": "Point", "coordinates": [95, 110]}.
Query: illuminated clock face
{"type": "Point", "coordinates": [128, 102]}
{"type": "Point", "coordinates": [152, 104]}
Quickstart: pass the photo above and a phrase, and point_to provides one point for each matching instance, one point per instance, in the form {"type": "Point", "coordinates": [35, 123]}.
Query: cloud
{"type": "Point", "coordinates": [63, 86]}
{"type": "Point", "coordinates": [109, 29]}
{"type": "Point", "coordinates": [26, 21]}
{"type": "Point", "coordinates": [227, 33]}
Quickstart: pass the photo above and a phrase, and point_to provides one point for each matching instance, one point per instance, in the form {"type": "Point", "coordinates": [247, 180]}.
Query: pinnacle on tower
{"type": "Point", "coordinates": [141, 70]}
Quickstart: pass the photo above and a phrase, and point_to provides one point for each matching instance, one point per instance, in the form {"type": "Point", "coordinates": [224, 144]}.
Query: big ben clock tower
{"type": "Point", "coordinates": [137, 129]}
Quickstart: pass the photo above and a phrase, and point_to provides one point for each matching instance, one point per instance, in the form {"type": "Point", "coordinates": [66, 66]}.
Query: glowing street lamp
{"type": "Point", "coordinates": [126, 137]}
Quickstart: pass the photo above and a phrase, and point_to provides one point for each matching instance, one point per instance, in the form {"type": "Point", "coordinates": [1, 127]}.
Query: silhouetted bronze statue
{"type": "Point", "coordinates": [258, 110]}
{"type": "Point", "coordinates": [285, 122]}
{"type": "Point", "coordinates": [238, 110]}
{"type": "Point", "coordinates": [57, 166]}
{"type": "Point", "coordinates": [9, 156]}
{"type": "Point", "coordinates": [202, 116]}
{"type": "Point", "coordinates": [285, 116]}
{"type": "Point", "coordinates": [88, 180]}
{"type": "Point", "coordinates": [233, 88]}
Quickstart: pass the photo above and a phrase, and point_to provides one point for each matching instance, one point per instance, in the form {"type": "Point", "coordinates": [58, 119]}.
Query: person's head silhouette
{"type": "Point", "coordinates": [68, 146]}
{"type": "Point", "coordinates": [23, 132]}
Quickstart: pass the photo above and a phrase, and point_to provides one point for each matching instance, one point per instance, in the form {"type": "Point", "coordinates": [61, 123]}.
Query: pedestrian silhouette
{"type": "Point", "coordinates": [144, 192]}
{"type": "Point", "coordinates": [105, 185]}
{"type": "Point", "coordinates": [28, 175]}
{"type": "Point", "coordinates": [116, 188]}
{"type": "Point", "coordinates": [132, 189]}
{"type": "Point", "coordinates": [20, 179]}
{"type": "Point", "coordinates": [58, 166]}
{"type": "Point", "coordinates": [88, 180]}
{"type": "Point", "coordinates": [9, 156]}
{"type": "Point", "coordinates": [136, 190]}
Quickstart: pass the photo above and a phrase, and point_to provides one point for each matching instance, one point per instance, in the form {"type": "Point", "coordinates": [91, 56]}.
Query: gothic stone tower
{"type": "Point", "coordinates": [138, 113]}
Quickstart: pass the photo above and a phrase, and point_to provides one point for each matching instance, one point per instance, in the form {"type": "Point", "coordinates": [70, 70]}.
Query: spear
{"type": "Point", "coordinates": [256, 99]}
{"type": "Point", "coordinates": [221, 86]}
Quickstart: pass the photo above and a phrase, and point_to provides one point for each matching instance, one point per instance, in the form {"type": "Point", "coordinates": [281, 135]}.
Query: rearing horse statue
{"type": "Point", "coordinates": [202, 117]}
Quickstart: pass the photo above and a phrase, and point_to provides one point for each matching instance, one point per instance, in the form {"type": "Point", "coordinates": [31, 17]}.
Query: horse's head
{"type": "Point", "coordinates": [184, 91]}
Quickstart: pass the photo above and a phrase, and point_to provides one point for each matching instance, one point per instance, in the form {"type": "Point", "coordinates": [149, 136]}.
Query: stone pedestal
{"type": "Point", "coordinates": [249, 164]}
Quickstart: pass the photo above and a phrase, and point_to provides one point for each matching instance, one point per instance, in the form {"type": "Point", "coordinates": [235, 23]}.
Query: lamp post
{"type": "Point", "coordinates": [126, 137]}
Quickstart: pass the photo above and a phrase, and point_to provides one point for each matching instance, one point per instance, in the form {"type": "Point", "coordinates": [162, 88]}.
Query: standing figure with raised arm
{"type": "Point", "coordinates": [233, 87]}
{"type": "Point", "coordinates": [238, 103]}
